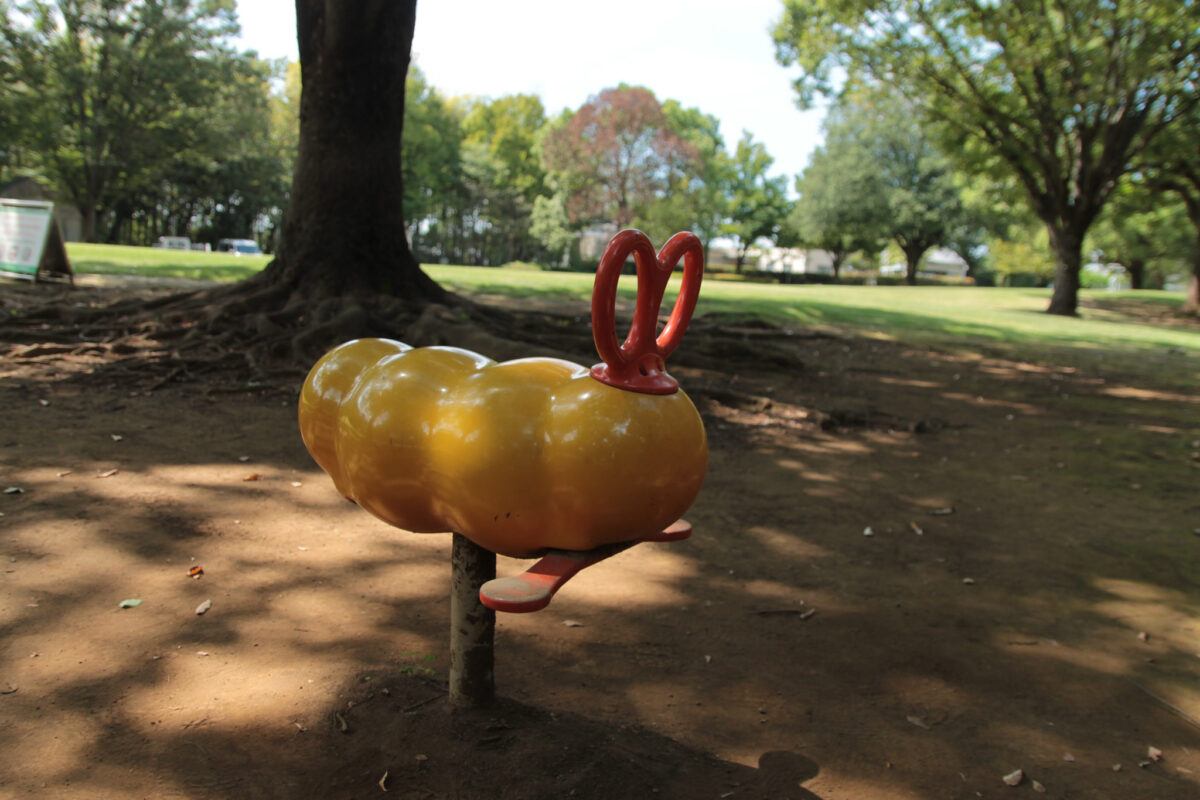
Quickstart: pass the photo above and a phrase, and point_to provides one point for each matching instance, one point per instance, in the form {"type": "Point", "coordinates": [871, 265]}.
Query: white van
{"type": "Point", "coordinates": [174, 243]}
{"type": "Point", "coordinates": [239, 247]}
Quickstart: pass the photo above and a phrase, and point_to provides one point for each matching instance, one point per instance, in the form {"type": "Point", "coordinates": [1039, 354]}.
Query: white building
{"type": "Point", "coordinates": [794, 261]}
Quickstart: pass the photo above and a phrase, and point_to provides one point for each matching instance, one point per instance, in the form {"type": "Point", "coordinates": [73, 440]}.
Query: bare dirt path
{"type": "Point", "coordinates": [914, 572]}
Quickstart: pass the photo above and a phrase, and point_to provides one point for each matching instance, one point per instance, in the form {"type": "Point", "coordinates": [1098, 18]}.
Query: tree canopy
{"type": "Point", "coordinates": [1062, 96]}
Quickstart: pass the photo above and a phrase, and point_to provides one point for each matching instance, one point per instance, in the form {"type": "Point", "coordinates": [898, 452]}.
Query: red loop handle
{"type": "Point", "coordinates": [639, 363]}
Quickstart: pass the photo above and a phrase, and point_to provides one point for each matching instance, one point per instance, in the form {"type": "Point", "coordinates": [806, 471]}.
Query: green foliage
{"type": "Point", "coordinates": [1145, 232]}
{"type": "Point", "coordinates": [140, 115]}
{"type": "Point", "coordinates": [757, 204]}
{"type": "Point", "coordinates": [1061, 96]}
{"type": "Point", "coordinates": [615, 156]}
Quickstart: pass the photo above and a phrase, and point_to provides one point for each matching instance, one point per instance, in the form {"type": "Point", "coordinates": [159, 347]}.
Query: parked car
{"type": "Point", "coordinates": [239, 247]}
{"type": "Point", "coordinates": [174, 242]}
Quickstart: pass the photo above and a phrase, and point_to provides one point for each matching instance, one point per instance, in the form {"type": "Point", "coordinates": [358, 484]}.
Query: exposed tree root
{"type": "Point", "coordinates": [264, 332]}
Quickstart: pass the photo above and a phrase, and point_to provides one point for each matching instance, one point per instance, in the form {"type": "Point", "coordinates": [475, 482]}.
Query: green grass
{"type": "Point", "coordinates": [1137, 328]}
{"type": "Point", "coordinates": [152, 262]}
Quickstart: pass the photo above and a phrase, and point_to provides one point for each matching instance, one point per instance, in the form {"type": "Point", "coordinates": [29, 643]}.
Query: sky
{"type": "Point", "coordinates": [708, 54]}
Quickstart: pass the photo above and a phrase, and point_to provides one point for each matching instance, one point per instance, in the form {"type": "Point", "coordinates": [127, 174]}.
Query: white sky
{"type": "Point", "coordinates": [715, 55]}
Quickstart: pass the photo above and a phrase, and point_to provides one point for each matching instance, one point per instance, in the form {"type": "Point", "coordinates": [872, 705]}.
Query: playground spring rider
{"type": "Point", "coordinates": [526, 458]}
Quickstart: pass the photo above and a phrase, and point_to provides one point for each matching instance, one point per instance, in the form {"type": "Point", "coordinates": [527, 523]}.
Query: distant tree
{"type": "Point", "coordinates": [1173, 164]}
{"type": "Point", "coordinates": [1146, 231]}
{"type": "Point", "coordinates": [615, 155]}
{"type": "Point", "coordinates": [431, 155]}
{"type": "Point", "coordinates": [115, 90]}
{"type": "Point", "coordinates": [698, 197]}
{"type": "Point", "coordinates": [915, 200]}
{"type": "Point", "coordinates": [1066, 95]}
{"type": "Point", "coordinates": [841, 206]}
{"type": "Point", "coordinates": [504, 174]}
{"type": "Point", "coordinates": [757, 203]}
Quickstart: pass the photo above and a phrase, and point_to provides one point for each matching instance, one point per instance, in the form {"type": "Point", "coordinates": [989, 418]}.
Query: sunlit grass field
{"type": "Point", "coordinates": [1139, 325]}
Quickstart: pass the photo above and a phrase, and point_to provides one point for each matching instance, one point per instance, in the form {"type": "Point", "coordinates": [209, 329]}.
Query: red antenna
{"type": "Point", "coordinates": [638, 365]}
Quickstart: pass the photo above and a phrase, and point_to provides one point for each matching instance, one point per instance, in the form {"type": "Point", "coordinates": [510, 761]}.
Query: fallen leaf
{"type": "Point", "coordinates": [11, 687]}
{"type": "Point", "coordinates": [868, 532]}
{"type": "Point", "coordinates": [383, 782]}
{"type": "Point", "coordinates": [1014, 778]}
{"type": "Point", "coordinates": [917, 529]}
{"type": "Point", "coordinates": [708, 659]}
{"type": "Point", "coordinates": [63, 474]}
{"type": "Point", "coordinates": [132, 602]}
{"type": "Point", "coordinates": [915, 720]}
{"type": "Point", "coordinates": [1068, 757]}
{"type": "Point", "coordinates": [243, 459]}
{"type": "Point", "coordinates": [1037, 787]}
{"type": "Point", "coordinates": [1144, 764]}
{"type": "Point", "coordinates": [108, 474]}
{"type": "Point", "coordinates": [44, 402]}
{"type": "Point", "coordinates": [196, 571]}
{"type": "Point", "coordinates": [808, 614]}
{"type": "Point", "coordinates": [969, 581]}
{"type": "Point", "coordinates": [570, 623]}
{"type": "Point", "coordinates": [1154, 753]}
{"type": "Point", "coordinates": [116, 437]}
{"type": "Point", "coordinates": [14, 490]}
{"type": "Point", "coordinates": [941, 512]}
{"type": "Point", "coordinates": [1116, 767]}
{"type": "Point", "coordinates": [422, 757]}
{"type": "Point", "coordinates": [297, 483]}
{"type": "Point", "coordinates": [343, 726]}
{"type": "Point", "coordinates": [253, 476]}
{"type": "Point", "coordinates": [204, 653]}
{"type": "Point", "coordinates": [1143, 636]}
{"type": "Point", "coordinates": [203, 607]}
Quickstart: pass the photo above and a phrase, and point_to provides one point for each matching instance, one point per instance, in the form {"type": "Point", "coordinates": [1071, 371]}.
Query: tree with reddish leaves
{"type": "Point", "coordinates": [615, 155]}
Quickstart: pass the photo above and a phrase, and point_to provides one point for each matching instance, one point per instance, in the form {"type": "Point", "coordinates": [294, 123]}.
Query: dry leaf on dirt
{"type": "Point", "coordinates": [917, 529]}
{"type": "Point", "coordinates": [297, 483]}
{"type": "Point", "coordinates": [570, 623]}
{"type": "Point", "coordinates": [969, 581]}
{"type": "Point", "coordinates": [1143, 636]}
{"type": "Point", "coordinates": [1014, 778]}
{"type": "Point", "coordinates": [116, 437]}
{"type": "Point", "coordinates": [1154, 753]}
{"type": "Point", "coordinates": [915, 720]}
{"type": "Point", "coordinates": [243, 459]}
{"type": "Point", "coordinates": [1037, 787]}
{"type": "Point", "coordinates": [132, 602]}
{"type": "Point", "coordinates": [253, 476]}
{"type": "Point", "coordinates": [343, 726]}
{"type": "Point", "coordinates": [9, 688]}
{"type": "Point", "coordinates": [941, 512]}
{"type": "Point", "coordinates": [808, 613]}
{"type": "Point", "coordinates": [196, 571]}
{"type": "Point", "coordinates": [14, 490]}
{"type": "Point", "coordinates": [1068, 757]}
{"type": "Point", "coordinates": [383, 782]}
{"type": "Point", "coordinates": [868, 532]}
{"type": "Point", "coordinates": [203, 607]}
{"type": "Point", "coordinates": [108, 474]}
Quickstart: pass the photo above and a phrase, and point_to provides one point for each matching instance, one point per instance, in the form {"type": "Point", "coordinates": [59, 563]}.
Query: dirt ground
{"type": "Point", "coordinates": [914, 572]}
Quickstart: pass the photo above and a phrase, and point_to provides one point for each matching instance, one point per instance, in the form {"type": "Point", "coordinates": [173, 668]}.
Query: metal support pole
{"type": "Point", "coordinates": [472, 625]}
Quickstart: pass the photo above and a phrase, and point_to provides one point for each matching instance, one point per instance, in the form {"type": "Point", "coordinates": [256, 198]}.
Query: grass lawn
{"type": "Point", "coordinates": [1139, 327]}
{"type": "Point", "coordinates": [153, 262]}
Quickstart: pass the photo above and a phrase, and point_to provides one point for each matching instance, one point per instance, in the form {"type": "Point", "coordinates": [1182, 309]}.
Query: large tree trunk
{"type": "Point", "coordinates": [912, 257]}
{"type": "Point", "coordinates": [1137, 273]}
{"type": "Point", "coordinates": [1191, 301]}
{"type": "Point", "coordinates": [344, 229]}
{"type": "Point", "coordinates": [1068, 258]}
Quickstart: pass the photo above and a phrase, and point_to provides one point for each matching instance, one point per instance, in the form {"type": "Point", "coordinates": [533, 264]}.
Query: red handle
{"type": "Point", "coordinates": [639, 363]}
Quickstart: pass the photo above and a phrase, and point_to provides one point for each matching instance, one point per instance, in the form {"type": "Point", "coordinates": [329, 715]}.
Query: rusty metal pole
{"type": "Point", "coordinates": [472, 625]}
